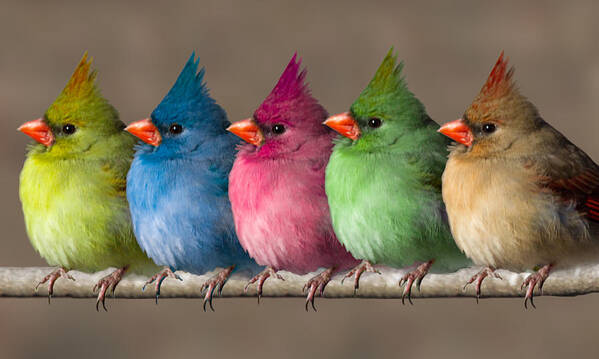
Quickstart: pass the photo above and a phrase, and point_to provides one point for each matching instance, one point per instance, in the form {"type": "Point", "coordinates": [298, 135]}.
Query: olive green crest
{"type": "Point", "coordinates": [83, 81]}
{"type": "Point", "coordinates": [81, 102]}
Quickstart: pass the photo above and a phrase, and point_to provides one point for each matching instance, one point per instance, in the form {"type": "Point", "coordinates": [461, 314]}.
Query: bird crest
{"type": "Point", "coordinates": [499, 88]}
{"type": "Point", "coordinates": [83, 81]}
{"type": "Point", "coordinates": [291, 84]}
{"type": "Point", "coordinates": [290, 100]}
{"type": "Point", "coordinates": [387, 93]}
{"type": "Point", "coordinates": [499, 83]}
{"type": "Point", "coordinates": [388, 77]}
{"type": "Point", "coordinates": [80, 100]}
{"type": "Point", "coordinates": [189, 93]}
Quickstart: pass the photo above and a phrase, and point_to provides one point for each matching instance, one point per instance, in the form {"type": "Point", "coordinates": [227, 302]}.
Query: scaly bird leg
{"type": "Point", "coordinates": [110, 281]}
{"type": "Point", "coordinates": [480, 277]}
{"type": "Point", "coordinates": [357, 272]}
{"type": "Point", "coordinates": [414, 276]}
{"type": "Point", "coordinates": [261, 278]}
{"type": "Point", "coordinates": [218, 281]}
{"type": "Point", "coordinates": [159, 278]}
{"type": "Point", "coordinates": [51, 279]}
{"type": "Point", "coordinates": [320, 281]}
{"type": "Point", "coordinates": [533, 280]}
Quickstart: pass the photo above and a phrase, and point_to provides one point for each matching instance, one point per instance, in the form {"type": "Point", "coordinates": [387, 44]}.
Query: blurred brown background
{"type": "Point", "coordinates": [139, 49]}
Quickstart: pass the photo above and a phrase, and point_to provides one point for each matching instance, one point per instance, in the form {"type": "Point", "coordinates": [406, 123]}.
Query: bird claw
{"type": "Point", "coordinates": [217, 282]}
{"type": "Point", "coordinates": [159, 278]}
{"type": "Point", "coordinates": [412, 277]}
{"type": "Point", "coordinates": [318, 282]}
{"type": "Point", "coordinates": [110, 281]}
{"type": "Point", "coordinates": [52, 278]}
{"type": "Point", "coordinates": [357, 272]}
{"type": "Point", "coordinates": [535, 279]}
{"type": "Point", "coordinates": [261, 278]}
{"type": "Point", "coordinates": [479, 278]}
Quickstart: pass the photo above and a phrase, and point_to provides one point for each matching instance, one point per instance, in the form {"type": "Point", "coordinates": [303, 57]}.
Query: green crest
{"type": "Point", "coordinates": [385, 90]}
{"type": "Point", "coordinates": [388, 99]}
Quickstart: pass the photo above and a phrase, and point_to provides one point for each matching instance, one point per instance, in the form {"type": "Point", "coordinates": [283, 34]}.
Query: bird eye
{"type": "Point", "coordinates": [278, 129]}
{"type": "Point", "coordinates": [68, 129]}
{"type": "Point", "coordinates": [375, 122]}
{"type": "Point", "coordinates": [175, 129]}
{"type": "Point", "coordinates": [488, 128]}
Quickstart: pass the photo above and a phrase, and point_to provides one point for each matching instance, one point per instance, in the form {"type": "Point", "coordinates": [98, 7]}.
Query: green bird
{"type": "Point", "coordinates": [72, 186]}
{"type": "Point", "coordinates": [383, 182]}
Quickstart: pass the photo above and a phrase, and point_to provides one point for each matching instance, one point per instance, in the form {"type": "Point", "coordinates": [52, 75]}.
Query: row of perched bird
{"type": "Point", "coordinates": [378, 190]}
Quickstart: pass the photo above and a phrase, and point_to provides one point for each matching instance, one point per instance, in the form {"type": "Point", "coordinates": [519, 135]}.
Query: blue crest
{"type": "Point", "coordinates": [189, 95]}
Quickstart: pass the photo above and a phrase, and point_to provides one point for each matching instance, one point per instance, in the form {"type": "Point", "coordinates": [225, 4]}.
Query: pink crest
{"type": "Point", "coordinates": [290, 94]}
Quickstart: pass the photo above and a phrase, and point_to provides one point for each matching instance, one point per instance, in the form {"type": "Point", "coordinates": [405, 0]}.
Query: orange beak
{"type": "Point", "coordinates": [146, 131]}
{"type": "Point", "coordinates": [345, 124]}
{"type": "Point", "coordinates": [458, 131]}
{"type": "Point", "coordinates": [39, 131]}
{"type": "Point", "coordinates": [248, 131]}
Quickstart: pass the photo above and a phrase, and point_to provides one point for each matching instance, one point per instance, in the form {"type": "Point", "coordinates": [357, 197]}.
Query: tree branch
{"type": "Point", "coordinates": [21, 282]}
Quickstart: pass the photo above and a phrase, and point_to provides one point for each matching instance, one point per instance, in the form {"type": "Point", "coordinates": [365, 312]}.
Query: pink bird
{"type": "Point", "coordinates": [276, 186]}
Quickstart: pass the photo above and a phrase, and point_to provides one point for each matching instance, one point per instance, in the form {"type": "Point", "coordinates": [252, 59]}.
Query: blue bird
{"type": "Point", "coordinates": [177, 185]}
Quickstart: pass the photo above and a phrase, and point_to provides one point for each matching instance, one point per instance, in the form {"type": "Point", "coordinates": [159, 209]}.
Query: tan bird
{"type": "Point", "coordinates": [519, 194]}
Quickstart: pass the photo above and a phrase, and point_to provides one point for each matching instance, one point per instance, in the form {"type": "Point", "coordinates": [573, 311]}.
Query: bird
{"type": "Point", "coordinates": [519, 194]}
{"type": "Point", "coordinates": [72, 186]}
{"type": "Point", "coordinates": [177, 186]}
{"type": "Point", "coordinates": [277, 186]}
{"type": "Point", "coordinates": [383, 182]}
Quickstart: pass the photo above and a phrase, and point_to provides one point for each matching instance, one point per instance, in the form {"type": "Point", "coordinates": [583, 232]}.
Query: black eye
{"type": "Point", "coordinates": [175, 129]}
{"type": "Point", "coordinates": [375, 122]}
{"type": "Point", "coordinates": [68, 129]}
{"type": "Point", "coordinates": [278, 129]}
{"type": "Point", "coordinates": [488, 128]}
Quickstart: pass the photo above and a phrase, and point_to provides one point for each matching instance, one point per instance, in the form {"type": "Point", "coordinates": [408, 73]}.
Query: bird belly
{"type": "Point", "coordinates": [73, 222]}
{"type": "Point", "coordinates": [382, 214]}
{"type": "Point", "coordinates": [286, 249]}
{"type": "Point", "coordinates": [182, 217]}
{"type": "Point", "coordinates": [181, 244]}
{"type": "Point", "coordinates": [395, 237]}
{"type": "Point", "coordinates": [500, 219]}
{"type": "Point", "coordinates": [283, 220]}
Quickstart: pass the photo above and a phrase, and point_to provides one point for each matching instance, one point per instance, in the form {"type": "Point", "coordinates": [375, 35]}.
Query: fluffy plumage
{"type": "Point", "coordinates": [383, 183]}
{"type": "Point", "coordinates": [277, 188]}
{"type": "Point", "coordinates": [178, 189]}
{"type": "Point", "coordinates": [73, 188]}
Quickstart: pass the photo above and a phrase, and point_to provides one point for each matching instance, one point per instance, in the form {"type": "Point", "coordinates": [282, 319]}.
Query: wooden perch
{"type": "Point", "coordinates": [21, 282]}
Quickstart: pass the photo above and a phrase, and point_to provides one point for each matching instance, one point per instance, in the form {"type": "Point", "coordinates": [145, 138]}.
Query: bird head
{"type": "Point", "coordinates": [384, 111]}
{"type": "Point", "coordinates": [498, 117]}
{"type": "Point", "coordinates": [77, 119]}
{"type": "Point", "coordinates": [287, 119]}
{"type": "Point", "coordinates": [185, 119]}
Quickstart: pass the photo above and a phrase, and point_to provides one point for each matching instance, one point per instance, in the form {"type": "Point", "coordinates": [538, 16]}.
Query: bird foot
{"type": "Point", "coordinates": [480, 277]}
{"type": "Point", "coordinates": [414, 276]}
{"type": "Point", "coordinates": [51, 279]}
{"type": "Point", "coordinates": [357, 272]}
{"type": "Point", "coordinates": [318, 282]}
{"type": "Point", "coordinates": [536, 279]}
{"type": "Point", "coordinates": [261, 278]}
{"type": "Point", "coordinates": [159, 278]}
{"type": "Point", "coordinates": [218, 281]}
{"type": "Point", "coordinates": [110, 281]}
